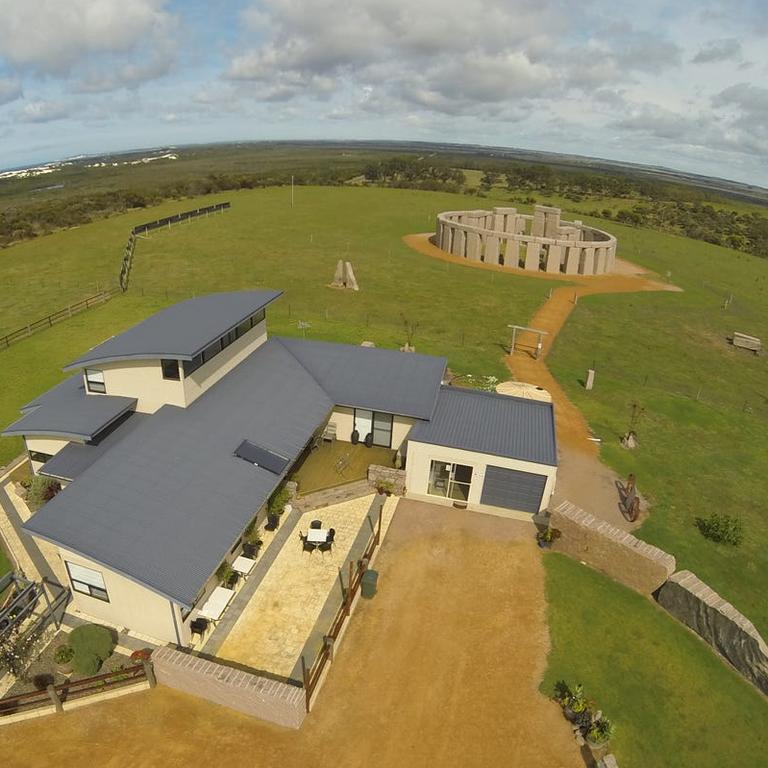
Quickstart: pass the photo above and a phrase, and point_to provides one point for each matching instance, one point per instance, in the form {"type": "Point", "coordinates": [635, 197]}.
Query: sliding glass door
{"type": "Point", "coordinates": [379, 425]}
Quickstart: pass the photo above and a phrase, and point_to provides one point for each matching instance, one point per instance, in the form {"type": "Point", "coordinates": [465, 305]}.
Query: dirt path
{"type": "Point", "coordinates": [589, 484]}
{"type": "Point", "coordinates": [441, 669]}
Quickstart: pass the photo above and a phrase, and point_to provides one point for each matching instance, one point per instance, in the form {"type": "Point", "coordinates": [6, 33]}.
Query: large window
{"type": "Point", "coordinates": [94, 380]}
{"type": "Point", "coordinates": [378, 424]}
{"type": "Point", "coordinates": [87, 581]}
{"type": "Point", "coordinates": [222, 343]}
{"type": "Point", "coordinates": [450, 480]}
{"type": "Point", "coordinates": [170, 369]}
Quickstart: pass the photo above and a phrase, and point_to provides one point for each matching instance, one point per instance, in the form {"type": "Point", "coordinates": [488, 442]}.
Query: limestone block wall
{"type": "Point", "coordinates": [261, 697]}
{"type": "Point", "coordinates": [727, 630]}
{"type": "Point", "coordinates": [378, 473]}
{"type": "Point", "coordinates": [541, 242]}
{"type": "Point", "coordinates": [616, 553]}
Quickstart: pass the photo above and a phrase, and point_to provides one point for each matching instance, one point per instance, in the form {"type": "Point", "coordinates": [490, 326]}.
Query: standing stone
{"type": "Point", "coordinates": [350, 280]}
{"type": "Point", "coordinates": [492, 249]}
{"type": "Point", "coordinates": [532, 252]}
{"type": "Point", "coordinates": [512, 254]}
{"type": "Point", "coordinates": [338, 278]}
{"type": "Point", "coordinates": [459, 242]}
{"type": "Point", "coordinates": [590, 379]}
{"type": "Point", "coordinates": [572, 260]}
{"type": "Point", "coordinates": [473, 246]}
{"type": "Point", "coordinates": [588, 262]}
{"type": "Point", "coordinates": [539, 221]}
{"type": "Point", "coordinates": [600, 261]}
{"type": "Point", "coordinates": [554, 258]}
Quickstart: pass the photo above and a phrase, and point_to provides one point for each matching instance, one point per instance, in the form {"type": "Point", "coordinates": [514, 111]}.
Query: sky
{"type": "Point", "coordinates": [683, 85]}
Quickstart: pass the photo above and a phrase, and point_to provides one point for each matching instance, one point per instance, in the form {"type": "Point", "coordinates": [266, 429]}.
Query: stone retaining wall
{"type": "Point", "coordinates": [377, 473]}
{"type": "Point", "coordinates": [609, 549]}
{"type": "Point", "coordinates": [246, 692]}
{"type": "Point", "coordinates": [728, 631]}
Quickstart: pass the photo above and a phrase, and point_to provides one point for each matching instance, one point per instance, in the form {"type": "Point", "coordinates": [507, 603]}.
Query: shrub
{"type": "Point", "coordinates": [278, 500]}
{"type": "Point", "coordinates": [92, 644]}
{"type": "Point", "coordinates": [224, 572]}
{"type": "Point", "coordinates": [86, 663]}
{"type": "Point", "coordinates": [601, 731]}
{"type": "Point", "coordinates": [63, 654]}
{"type": "Point", "coordinates": [723, 529]}
{"type": "Point", "coordinates": [41, 490]}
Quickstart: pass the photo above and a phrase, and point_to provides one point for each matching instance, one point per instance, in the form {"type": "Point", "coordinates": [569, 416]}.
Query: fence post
{"type": "Point", "coordinates": [378, 527]}
{"type": "Point", "coordinates": [54, 697]}
{"type": "Point", "coordinates": [305, 677]}
{"type": "Point", "coordinates": [149, 672]}
{"type": "Point", "coordinates": [348, 606]}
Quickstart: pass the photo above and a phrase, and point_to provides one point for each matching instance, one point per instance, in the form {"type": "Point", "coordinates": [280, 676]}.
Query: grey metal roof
{"type": "Point", "coordinates": [499, 425]}
{"type": "Point", "coordinates": [73, 459]}
{"type": "Point", "coordinates": [68, 411]}
{"type": "Point", "coordinates": [180, 331]}
{"type": "Point", "coordinates": [169, 500]}
{"type": "Point", "coordinates": [367, 377]}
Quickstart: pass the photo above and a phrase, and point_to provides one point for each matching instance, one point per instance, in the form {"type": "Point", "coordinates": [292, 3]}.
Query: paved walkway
{"type": "Point", "coordinates": [272, 629]}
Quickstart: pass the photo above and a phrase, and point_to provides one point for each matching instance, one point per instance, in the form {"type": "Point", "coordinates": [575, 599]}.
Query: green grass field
{"type": "Point", "coordinates": [703, 437]}
{"type": "Point", "coordinates": [673, 701]}
{"type": "Point", "coordinates": [263, 242]}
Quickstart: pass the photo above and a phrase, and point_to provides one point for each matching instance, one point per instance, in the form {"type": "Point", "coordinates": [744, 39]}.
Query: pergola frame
{"type": "Point", "coordinates": [525, 328]}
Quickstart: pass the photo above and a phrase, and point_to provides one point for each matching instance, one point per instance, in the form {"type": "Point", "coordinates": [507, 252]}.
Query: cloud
{"type": "Point", "coordinates": [105, 43]}
{"type": "Point", "coordinates": [746, 97]}
{"type": "Point", "coordinates": [725, 49]}
{"type": "Point", "coordinates": [10, 90]}
{"type": "Point", "coordinates": [43, 111]}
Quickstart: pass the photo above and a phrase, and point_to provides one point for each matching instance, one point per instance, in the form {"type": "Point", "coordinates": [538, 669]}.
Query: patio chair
{"type": "Point", "coordinates": [331, 536]}
{"type": "Point", "coordinates": [198, 627]}
{"type": "Point", "coordinates": [316, 524]}
{"type": "Point", "coordinates": [326, 546]}
{"type": "Point", "coordinates": [307, 546]}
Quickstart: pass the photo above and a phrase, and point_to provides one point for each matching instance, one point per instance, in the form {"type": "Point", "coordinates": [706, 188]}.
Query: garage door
{"type": "Point", "coordinates": [512, 489]}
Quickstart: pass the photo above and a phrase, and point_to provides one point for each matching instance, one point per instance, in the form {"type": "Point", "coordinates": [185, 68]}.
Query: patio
{"type": "Point", "coordinates": [292, 605]}
{"type": "Point", "coordinates": [337, 462]}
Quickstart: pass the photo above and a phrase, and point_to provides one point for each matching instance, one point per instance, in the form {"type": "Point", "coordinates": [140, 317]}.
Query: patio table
{"type": "Point", "coordinates": [217, 603]}
{"type": "Point", "coordinates": [317, 535]}
{"type": "Point", "coordinates": [243, 565]}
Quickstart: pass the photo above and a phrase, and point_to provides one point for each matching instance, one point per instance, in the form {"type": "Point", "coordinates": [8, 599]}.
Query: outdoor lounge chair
{"type": "Point", "coordinates": [198, 627]}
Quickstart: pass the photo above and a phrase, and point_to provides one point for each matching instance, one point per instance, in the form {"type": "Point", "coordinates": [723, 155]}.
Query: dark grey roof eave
{"type": "Point", "coordinates": [451, 444]}
{"type": "Point", "coordinates": [26, 527]}
{"type": "Point", "coordinates": [84, 360]}
{"type": "Point", "coordinates": [66, 434]}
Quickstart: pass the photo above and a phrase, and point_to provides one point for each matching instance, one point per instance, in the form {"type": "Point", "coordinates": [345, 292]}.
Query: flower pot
{"type": "Point", "coordinates": [544, 544]}
{"type": "Point", "coordinates": [597, 747]}
{"type": "Point", "coordinates": [273, 521]}
{"type": "Point", "coordinates": [570, 715]}
{"type": "Point", "coordinates": [64, 669]}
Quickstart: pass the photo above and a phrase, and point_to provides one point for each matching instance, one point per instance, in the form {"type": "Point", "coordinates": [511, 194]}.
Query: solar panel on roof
{"type": "Point", "coordinates": [261, 457]}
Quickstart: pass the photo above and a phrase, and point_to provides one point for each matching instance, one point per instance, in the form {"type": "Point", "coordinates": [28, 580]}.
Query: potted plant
{"type": "Point", "coordinates": [599, 732]}
{"type": "Point", "coordinates": [547, 536]}
{"type": "Point", "coordinates": [574, 703]}
{"type": "Point", "coordinates": [224, 573]}
{"type": "Point", "coordinates": [276, 506]}
{"type": "Point", "coordinates": [385, 487]}
{"type": "Point", "coordinates": [63, 657]}
{"type": "Point", "coordinates": [252, 540]}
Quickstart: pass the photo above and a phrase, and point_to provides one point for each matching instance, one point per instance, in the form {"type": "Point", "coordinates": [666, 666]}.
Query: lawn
{"type": "Point", "coordinates": [703, 437]}
{"type": "Point", "coordinates": [673, 701]}
{"type": "Point", "coordinates": [263, 242]}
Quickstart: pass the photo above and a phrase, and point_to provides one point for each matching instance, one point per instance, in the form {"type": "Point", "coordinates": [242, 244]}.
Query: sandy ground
{"type": "Point", "coordinates": [440, 669]}
{"type": "Point", "coordinates": [582, 478]}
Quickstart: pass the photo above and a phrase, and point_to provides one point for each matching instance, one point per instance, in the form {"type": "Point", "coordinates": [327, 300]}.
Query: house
{"type": "Point", "coordinates": [170, 438]}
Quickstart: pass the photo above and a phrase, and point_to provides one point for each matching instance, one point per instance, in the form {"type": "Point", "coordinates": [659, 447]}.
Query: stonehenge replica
{"type": "Point", "coordinates": [538, 243]}
{"type": "Point", "coordinates": [345, 276]}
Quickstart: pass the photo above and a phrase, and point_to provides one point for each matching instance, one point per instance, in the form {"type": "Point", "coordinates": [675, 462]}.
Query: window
{"type": "Point", "coordinates": [87, 581]}
{"type": "Point", "coordinates": [257, 318]}
{"type": "Point", "coordinates": [170, 369]}
{"type": "Point", "coordinates": [378, 424]}
{"type": "Point", "coordinates": [211, 351]}
{"type": "Point", "coordinates": [94, 380]}
{"type": "Point", "coordinates": [243, 328]}
{"type": "Point", "coordinates": [40, 457]}
{"type": "Point", "coordinates": [450, 480]}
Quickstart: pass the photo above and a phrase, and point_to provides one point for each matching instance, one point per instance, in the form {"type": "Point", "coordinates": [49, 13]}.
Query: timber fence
{"type": "Point", "coordinates": [168, 221]}
{"type": "Point", "coordinates": [56, 317]}
{"type": "Point", "coordinates": [55, 698]}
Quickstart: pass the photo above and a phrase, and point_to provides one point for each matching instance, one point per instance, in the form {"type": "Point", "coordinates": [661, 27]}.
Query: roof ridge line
{"type": "Point", "coordinates": [311, 375]}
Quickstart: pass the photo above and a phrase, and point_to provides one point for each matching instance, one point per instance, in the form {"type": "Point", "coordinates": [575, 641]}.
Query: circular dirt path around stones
{"type": "Point", "coordinates": [441, 668]}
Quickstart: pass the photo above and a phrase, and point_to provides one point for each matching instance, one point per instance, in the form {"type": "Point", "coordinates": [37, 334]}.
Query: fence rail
{"type": "Point", "coordinates": [58, 695]}
{"type": "Point", "coordinates": [167, 221]}
{"type": "Point", "coordinates": [58, 316]}
{"type": "Point", "coordinates": [313, 675]}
